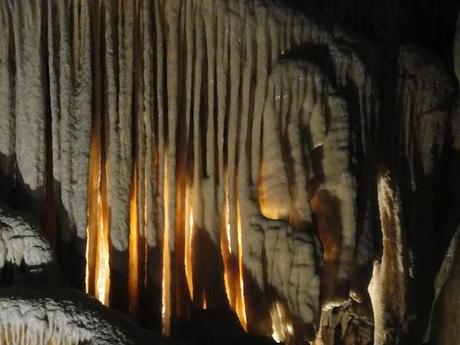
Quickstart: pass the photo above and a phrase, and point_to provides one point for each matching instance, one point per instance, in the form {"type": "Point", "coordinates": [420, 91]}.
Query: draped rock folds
{"type": "Point", "coordinates": [235, 117]}
{"type": "Point", "coordinates": [215, 154]}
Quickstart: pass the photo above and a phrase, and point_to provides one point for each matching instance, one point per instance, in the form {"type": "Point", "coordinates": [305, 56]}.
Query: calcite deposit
{"type": "Point", "coordinates": [22, 241]}
{"type": "Point", "coordinates": [243, 157]}
{"type": "Point", "coordinates": [47, 316]}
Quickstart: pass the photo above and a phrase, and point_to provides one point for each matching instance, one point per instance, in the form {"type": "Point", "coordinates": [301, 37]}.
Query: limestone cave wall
{"type": "Point", "coordinates": [293, 164]}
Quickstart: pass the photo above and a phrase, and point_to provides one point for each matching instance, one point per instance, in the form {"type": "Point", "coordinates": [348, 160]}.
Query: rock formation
{"type": "Point", "coordinates": [231, 156]}
{"type": "Point", "coordinates": [44, 316]}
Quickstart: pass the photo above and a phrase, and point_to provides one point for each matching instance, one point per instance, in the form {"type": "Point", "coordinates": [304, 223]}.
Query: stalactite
{"type": "Point", "coordinates": [166, 262]}
{"type": "Point", "coordinates": [7, 123]}
{"type": "Point", "coordinates": [240, 302]}
{"type": "Point", "coordinates": [134, 244]}
{"type": "Point", "coordinates": [218, 154]}
{"type": "Point", "coordinates": [220, 67]}
{"type": "Point", "coordinates": [29, 106]}
{"type": "Point", "coordinates": [188, 234]}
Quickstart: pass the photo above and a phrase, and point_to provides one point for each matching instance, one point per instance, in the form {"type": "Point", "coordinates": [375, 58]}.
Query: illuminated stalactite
{"type": "Point", "coordinates": [188, 234]}
{"type": "Point", "coordinates": [102, 259]}
{"type": "Point", "coordinates": [97, 280]}
{"type": "Point", "coordinates": [240, 302]}
{"type": "Point", "coordinates": [97, 259]}
{"type": "Point", "coordinates": [227, 257]}
{"type": "Point", "coordinates": [166, 262]}
{"type": "Point", "coordinates": [133, 273]}
{"type": "Point", "coordinates": [234, 267]}
{"type": "Point", "coordinates": [145, 241]}
{"type": "Point", "coordinates": [226, 248]}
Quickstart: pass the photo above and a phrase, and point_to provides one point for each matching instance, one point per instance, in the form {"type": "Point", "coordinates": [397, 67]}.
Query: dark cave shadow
{"type": "Point", "coordinates": [218, 324]}
{"type": "Point", "coordinates": [46, 209]}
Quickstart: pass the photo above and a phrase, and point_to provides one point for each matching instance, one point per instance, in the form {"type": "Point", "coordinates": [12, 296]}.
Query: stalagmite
{"type": "Point", "coordinates": [389, 302]}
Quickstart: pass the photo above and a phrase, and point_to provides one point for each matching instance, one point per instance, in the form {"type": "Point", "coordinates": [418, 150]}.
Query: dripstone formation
{"type": "Point", "coordinates": [228, 171]}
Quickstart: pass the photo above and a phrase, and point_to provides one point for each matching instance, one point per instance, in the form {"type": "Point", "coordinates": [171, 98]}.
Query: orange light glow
{"type": "Point", "coordinates": [189, 241]}
{"type": "Point", "coordinates": [226, 256]}
{"type": "Point", "coordinates": [205, 301]}
{"type": "Point", "coordinates": [227, 227]}
{"type": "Point", "coordinates": [87, 257]}
{"type": "Point", "coordinates": [102, 257]}
{"type": "Point", "coordinates": [233, 267]}
{"type": "Point", "coordinates": [133, 273]}
{"type": "Point", "coordinates": [166, 274]}
{"type": "Point", "coordinates": [146, 247]}
{"type": "Point", "coordinates": [97, 280]}
{"type": "Point", "coordinates": [240, 302]}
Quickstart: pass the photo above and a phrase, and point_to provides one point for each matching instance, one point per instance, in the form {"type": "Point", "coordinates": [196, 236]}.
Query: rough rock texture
{"type": "Point", "coordinates": [51, 313]}
{"type": "Point", "coordinates": [44, 315]}
{"type": "Point", "coordinates": [22, 241]}
{"type": "Point", "coordinates": [235, 155]}
{"type": "Point", "coordinates": [349, 324]}
{"type": "Point", "coordinates": [189, 102]}
{"type": "Point", "coordinates": [392, 275]}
